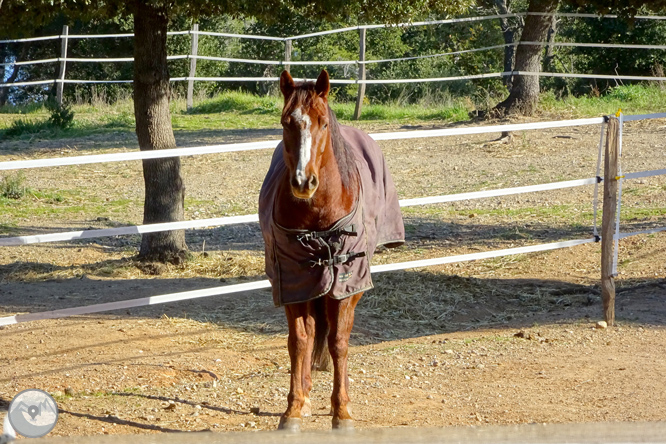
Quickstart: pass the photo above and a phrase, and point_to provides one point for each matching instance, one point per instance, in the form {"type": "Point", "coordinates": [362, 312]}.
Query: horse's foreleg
{"type": "Point", "coordinates": [297, 344]}
{"type": "Point", "coordinates": [306, 381]}
{"type": "Point", "coordinates": [340, 315]}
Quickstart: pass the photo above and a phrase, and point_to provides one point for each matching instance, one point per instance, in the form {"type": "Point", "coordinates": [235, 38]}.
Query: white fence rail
{"type": "Point", "coordinates": [232, 220]}
{"type": "Point", "coordinates": [248, 146]}
{"type": "Point", "coordinates": [258, 285]}
{"type": "Point", "coordinates": [365, 82]}
{"type": "Point", "coordinates": [228, 289]}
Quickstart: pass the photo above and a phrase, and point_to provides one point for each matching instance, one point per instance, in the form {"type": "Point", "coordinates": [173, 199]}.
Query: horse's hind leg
{"type": "Point", "coordinates": [340, 315]}
{"type": "Point", "coordinates": [297, 318]}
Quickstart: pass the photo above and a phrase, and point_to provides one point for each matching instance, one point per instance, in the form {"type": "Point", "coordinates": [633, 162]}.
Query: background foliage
{"type": "Point", "coordinates": [387, 43]}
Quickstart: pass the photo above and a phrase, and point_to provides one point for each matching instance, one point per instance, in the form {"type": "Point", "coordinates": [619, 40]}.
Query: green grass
{"type": "Point", "coordinates": [559, 211]}
{"type": "Point", "coordinates": [235, 110]}
{"type": "Point", "coordinates": [638, 214]}
{"type": "Point", "coordinates": [245, 104]}
{"type": "Point", "coordinates": [632, 99]}
{"type": "Point", "coordinates": [9, 228]}
{"type": "Point", "coordinates": [62, 203]}
{"type": "Point", "coordinates": [12, 186]}
{"type": "Point", "coordinates": [239, 102]}
{"type": "Point", "coordinates": [22, 127]}
{"type": "Point", "coordinates": [228, 111]}
{"type": "Point", "coordinates": [404, 113]}
{"type": "Point", "coordinates": [572, 214]}
{"type": "Point", "coordinates": [30, 108]}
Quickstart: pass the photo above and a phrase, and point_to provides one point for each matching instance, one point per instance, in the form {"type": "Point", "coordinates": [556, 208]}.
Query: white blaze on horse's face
{"type": "Point", "coordinates": [305, 148]}
{"type": "Point", "coordinates": [304, 180]}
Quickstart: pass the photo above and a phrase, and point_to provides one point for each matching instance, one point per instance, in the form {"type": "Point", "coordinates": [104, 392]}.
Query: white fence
{"type": "Point", "coordinates": [63, 59]}
{"type": "Point", "coordinates": [161, 299]}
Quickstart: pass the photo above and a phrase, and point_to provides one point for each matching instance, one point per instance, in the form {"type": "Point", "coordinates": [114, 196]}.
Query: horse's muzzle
{"type": "Point", "coordinates": [304, 188]}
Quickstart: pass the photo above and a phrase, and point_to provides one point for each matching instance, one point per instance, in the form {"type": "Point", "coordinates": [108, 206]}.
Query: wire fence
{"type": "Point", "coordinates": [61, 79]}
{"type": "Point", "coordinates": [228, 289]}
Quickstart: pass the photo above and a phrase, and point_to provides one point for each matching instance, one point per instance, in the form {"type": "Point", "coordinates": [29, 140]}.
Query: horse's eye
{"type": "Point", "coordinates": [286, 121]}
{"type": "Point", "coordinates": [325, 126]}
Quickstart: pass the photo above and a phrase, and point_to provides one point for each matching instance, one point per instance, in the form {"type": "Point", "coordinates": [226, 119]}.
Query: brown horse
{"type": "Point", "coordinates": [320, 233]}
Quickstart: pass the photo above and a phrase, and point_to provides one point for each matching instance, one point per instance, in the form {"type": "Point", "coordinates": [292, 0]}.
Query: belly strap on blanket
{"type": "Point", "coordinates": [349, 230]}
{"type": "Point", "coordinates": [324, 238]}
{"type": "Point", "coordinates": [336, 260]}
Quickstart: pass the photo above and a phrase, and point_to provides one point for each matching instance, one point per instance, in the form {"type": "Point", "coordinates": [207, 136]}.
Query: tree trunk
{"type": "Point", "coordinates": [165, 191]}
{"type": "Point", "coordinates": [549, 57]}
{"type": "Point", "coordinates": [509, 34]}
{"type": "Point", "coordinates": [524, 94]}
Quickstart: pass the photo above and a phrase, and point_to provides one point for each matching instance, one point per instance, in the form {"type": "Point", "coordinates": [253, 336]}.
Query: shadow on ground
{"type": "Point", "coordinates": [418, 230]}
{"type": "Point", "coordinates": [404, 304]}
{"type": "Point", "coordinates": [97, 138]}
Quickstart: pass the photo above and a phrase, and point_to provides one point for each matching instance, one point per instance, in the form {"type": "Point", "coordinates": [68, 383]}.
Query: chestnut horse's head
{"type": "Point", "coordinates": [305, 133]}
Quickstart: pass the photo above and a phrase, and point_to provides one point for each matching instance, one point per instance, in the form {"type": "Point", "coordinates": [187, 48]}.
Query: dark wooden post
{"type": "Point", "coordinates": [607, 224]}
{"type": "Point", "coordinates": [361, 76]}
{"type": "Point", "coordinates": [193, 66]}
{"type": "Point", "coordinates": [287, 54]}
{"type": "Point", "coordinates": [63, 64]}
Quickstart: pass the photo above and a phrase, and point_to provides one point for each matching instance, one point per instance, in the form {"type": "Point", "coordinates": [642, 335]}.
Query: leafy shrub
{"type": "Point", "coordinates": [13, 186]}
{"type": "Point", "coordinates": [62, 116]}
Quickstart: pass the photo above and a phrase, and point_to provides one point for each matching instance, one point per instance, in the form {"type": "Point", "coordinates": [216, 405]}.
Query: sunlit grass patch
{"type": "Point", "coordinates": [632, 99]}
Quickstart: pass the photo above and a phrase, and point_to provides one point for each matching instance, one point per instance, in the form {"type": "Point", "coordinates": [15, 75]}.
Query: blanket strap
{"type": "Point", "coordinates": [336, 260]}
{"type": "Point", "coordinates": [349, 230]}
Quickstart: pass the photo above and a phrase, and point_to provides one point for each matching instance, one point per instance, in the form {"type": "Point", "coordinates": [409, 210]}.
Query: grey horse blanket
{"type": "Point", "coordinates": [303, 265]}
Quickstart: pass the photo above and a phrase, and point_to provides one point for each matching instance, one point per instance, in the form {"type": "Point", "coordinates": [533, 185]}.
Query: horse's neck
{"type": "Point", "coordinates": [331, 202]}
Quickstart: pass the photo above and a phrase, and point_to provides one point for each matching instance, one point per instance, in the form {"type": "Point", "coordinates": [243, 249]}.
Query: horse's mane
{"type": "Point", "coordinates": [342, 151]}
{"type": "Point", "coordinates": [305, 94]}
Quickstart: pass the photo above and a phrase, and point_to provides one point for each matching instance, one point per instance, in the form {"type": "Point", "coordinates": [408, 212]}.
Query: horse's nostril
{"type": "Point", "coordinates": [313, 182]}
{"type": "Point", "coordinates": [295, 182]}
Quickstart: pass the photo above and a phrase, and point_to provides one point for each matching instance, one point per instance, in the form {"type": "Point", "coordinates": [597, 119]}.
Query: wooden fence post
{"type": "Point", "coordinates": [63, 55]}
{"type": "Point", "coordinates": [607, 224]}
{"type": "Point", "coordinates": [287, 54]}
{"type": "Point", "coordinates": [361, 76]}
{"type": "Point", "coordinates": [193, 66]}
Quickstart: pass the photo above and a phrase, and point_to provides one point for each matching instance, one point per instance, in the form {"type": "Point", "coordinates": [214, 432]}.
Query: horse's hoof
{"type": "Point", "coordinates": [292, 425]}
{"type": "Point", "coordinates": [306, 410]}
{"type": "Point", "coordinates": [343, 424]}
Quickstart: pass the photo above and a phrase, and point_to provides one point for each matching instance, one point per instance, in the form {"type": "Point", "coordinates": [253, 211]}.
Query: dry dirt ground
{"type": "Point", "coordinates": [500, 341]}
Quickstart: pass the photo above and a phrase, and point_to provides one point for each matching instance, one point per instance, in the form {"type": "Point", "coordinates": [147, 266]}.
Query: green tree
{"type": "Point", "coordinates": [524, 92]}
{"type": "Point", "coordinates": [639, 62]}
{"type": "Point", "coordinates": [624, 8]}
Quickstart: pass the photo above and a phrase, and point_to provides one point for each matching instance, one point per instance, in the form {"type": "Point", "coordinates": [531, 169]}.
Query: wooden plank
{"type": "Point", "coordinates": [63, 64]}
{"type": "Point", "coordinates": [361, 76]}
{"type": "Point", "coordinates": [193, 66]}
{"type": "Point", "coordinates": [608, 220]}
{"type": "Point", "coordinates": [287, 54]}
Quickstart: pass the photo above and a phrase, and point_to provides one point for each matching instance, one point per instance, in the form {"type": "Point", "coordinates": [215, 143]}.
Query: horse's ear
{"type": "Point", "coordinates": [323, 85]}
{"type": "Point", "coordinates": [286, 84]}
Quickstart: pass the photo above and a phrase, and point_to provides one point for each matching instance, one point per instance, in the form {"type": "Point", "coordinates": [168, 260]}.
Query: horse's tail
{"type": "Point", "coordinates": [321, 359]}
